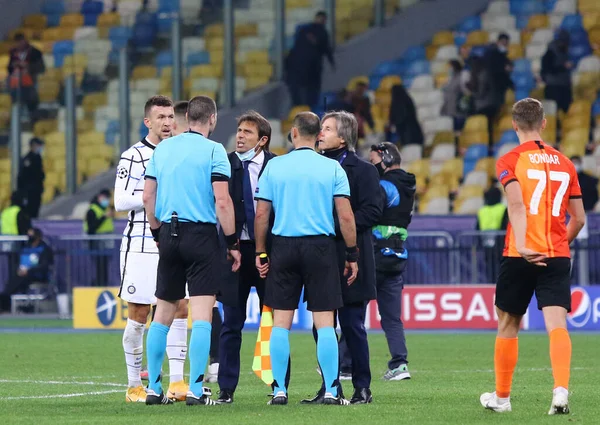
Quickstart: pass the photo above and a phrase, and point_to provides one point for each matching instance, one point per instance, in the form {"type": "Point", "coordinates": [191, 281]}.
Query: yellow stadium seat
{"type": "Point", "coordinates": [570, 149]}
{"type": "Point", "coordinates": [594, 35]}
{"type": "Point", "coordinates": [143, 72]}
{"type": "Point", "coordinates": [96, 166]}
{"type": "Point", "coordinates": [76, 61]}
{"type": "Point", "coordinates": [51, 34]}
{"type": "Point", "coordinates": [358, 26]}
{"type": "Point", "coordinates": [257, 57]}
{"type": "Point", "coordinates": [470, 191]}
{"type": "Point", "coordinates": [296, 110]}
{"type": "Point", "coordinates": [515, 51]}
{"type": "Point", "coordinates": [212, 70]}
{"type": "Point", "coordinates": [44, 127]}
{"type": "Point", "coordinates": [71, 20]}
{"type": "Point", "coordinates": [54, 139]}
{"type": "Point", "coordinates": [450, 181]}
{"type": "Point", "coordinates": [354, 81]}
{"type": "Point", "coordinates": [48, 92]}
{"type": "Point", "coordinates": [215, 30]}
{"type": "Point", "coordinates": [453, 167]}
{"type": "Point", "coordinates": [66, 33]}
{"type": "Point", "coordinates": [442, 38]}
{"type": "Point", "coordinates": [36, 22]}
{"type": "Point", "coordinates": [85, 126]}
{"type": "Point", "coordinates": [90, 137]}
{"type": "Point", "coordinates": [526, 37]}
{"type": "Point", "coordinates": [93, 101]}
{"type": "Point", "coordinates": [5, 47]}
{"type": "Point", "coordinates": [52, 74]}
{"type": "Point", "coordinates": [4, 61]}
{"type": "Point", "coordinates": [246, 30]}
{"type": "Point", "coordinates": [577, 135]}
{"type": "Point", "coordinates": [488, 165]}
{"type": "Point", "coordinates": [430, 51]}
{"type": "Point", "coordinates": [476, 123]}
{"type": "Point", "coordinates": [574, 122]}
{"type": "Point", "coordinates": [110, 19]}
{"type": "Point", "coordinates": [420, 167]}
{"type": "Point", "coordinates": [389, 81]}
{"type": "Point", "coordinates": [586, 6]}
{"type": "Point", "coordinates": [441, 80]}
{"type": "Point", "coordinates": [538, 21]}
{"type": "Point", "coordinates": [264, 70]}
{"type": "Point", "coordinates": [477, 38]}
{"type": "Point", "coordinates": [591, 19]}
{"type": "Point", "coordinates": [436, 191]}
{"type": "Point", "coordinates": [254, 82]}
{"type": "Point", "coordinates": [295, 4]}
{"type": "Point", "coordinates": [217, 57]}
{"type": "Point", "coordinates": [383, 98]}
{"type": "Point", "coordinates": [580, 107]}
{"type": "Point", "coordinates": [215, 44]}
{"type": "Point", "coordinates": [166, 72]}
{"type": "Point", "coordinates": [444, 137]}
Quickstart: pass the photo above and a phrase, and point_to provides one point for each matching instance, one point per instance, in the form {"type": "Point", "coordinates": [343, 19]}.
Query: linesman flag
{"type": "Point", "coordinates": [262, 352]}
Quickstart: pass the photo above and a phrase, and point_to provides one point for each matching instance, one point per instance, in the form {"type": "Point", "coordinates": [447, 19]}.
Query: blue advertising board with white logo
{"type": "Point", "coordinates": [584, 315]}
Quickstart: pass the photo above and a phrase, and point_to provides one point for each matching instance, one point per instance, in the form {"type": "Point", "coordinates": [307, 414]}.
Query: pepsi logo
{"type": "Point", "coordinates": [581, 308]}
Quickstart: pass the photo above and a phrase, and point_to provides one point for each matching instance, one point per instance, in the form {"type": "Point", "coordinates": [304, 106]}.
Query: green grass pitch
{"type": "Point", "coordinates": [77, 378]}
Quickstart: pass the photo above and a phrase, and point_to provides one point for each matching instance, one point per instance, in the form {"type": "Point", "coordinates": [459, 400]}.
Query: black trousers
{"type": "Point", "coordinates": [352, 322]}
{"type": "Point", "coordinates": [17, 285]}
{"type": "Point", "coordinates": [34, 202]}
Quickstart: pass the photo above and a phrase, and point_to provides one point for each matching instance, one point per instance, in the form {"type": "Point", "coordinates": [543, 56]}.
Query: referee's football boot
{"type": "Point", "coordinates": [319, 397]}
{"type": "Point", "coordinates": [361, 396]}
{"type": "Point", "coordinates": [338, 400]}
{"type": "Point", "coordinates": [279, 399]}
{"type": "Point", "coordinates": [203, 399]}
{"type": "Point", "coordinates": [153, 399]}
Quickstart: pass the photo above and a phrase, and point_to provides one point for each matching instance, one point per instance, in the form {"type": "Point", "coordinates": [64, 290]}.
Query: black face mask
{"type": "Point", "coordinates": [380, 168]}
{"type": "Point", "coordinates": [31, 239]}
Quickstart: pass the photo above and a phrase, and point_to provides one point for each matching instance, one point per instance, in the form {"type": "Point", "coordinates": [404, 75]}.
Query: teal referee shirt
{"type": "Point", "coordinates": [184, 168]}
{"type": "Point", "coordinates": [301, 186]}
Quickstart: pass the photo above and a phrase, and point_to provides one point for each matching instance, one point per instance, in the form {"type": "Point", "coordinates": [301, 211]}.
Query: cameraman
{"type": "Point", "coordinates": [390, 255]}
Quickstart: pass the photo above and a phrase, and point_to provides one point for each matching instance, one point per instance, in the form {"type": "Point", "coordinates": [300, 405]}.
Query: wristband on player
{"type": "Point", "coordinates": [232, 242]}
{"type": "Point", "coordinates": [352, 254]}
{"type": "Point", "coordinates": [264, 258]}
{"type": "Point", "coordinates": [155, 233]}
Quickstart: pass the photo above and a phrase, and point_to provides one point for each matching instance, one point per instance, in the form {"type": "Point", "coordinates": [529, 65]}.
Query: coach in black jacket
{"type": "Point", "coordinates": [247, 164]}
{"type": "Point", "coordinates": [338, 139]}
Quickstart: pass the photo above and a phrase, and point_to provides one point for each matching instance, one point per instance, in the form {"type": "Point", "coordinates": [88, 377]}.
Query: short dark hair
{"type": "Point", "coordinates": [200, 109]}
{"type": "Point", "coordinates": [36, 141]}
{"type": "Point", "coordinates": [387, 148]}
{"type": "Point", "coordinates": [19, 36]}
{"type": "Point", "coordinates": [308, 124]}
{"type": "Point", "coordinates": [503, 37]}
{"type": "Point", "coordinates": [161, 101]}
{"type": "Point", "coordinates": [262, 124]}
{"type": "Point", "coordinates": [181, 108]}
{"type": "Point", "coordinates": [37, 232]}
{"type": "Point", "coordinates": [528, 114]}
{"type": "Point", "coordinates": [321, 14]}
{"type": "Point", "coordinates": [456, 65]}
{"type": "Point", "coordinates": [105, 192]}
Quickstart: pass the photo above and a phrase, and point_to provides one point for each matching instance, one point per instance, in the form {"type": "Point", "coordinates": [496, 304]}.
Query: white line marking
{"type": "Point", "coordinates": [31, 381]}
{"type": "Point", "coordinates": [61, 395]}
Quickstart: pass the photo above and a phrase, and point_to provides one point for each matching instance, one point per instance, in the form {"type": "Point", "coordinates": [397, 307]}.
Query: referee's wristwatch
{"type": "Point", "coordinates": [232, 242]}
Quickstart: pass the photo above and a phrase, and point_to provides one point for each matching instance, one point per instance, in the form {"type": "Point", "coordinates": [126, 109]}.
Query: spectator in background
{"type": "Point", "coordinates": [485, 93]}
{"type": "Point", "coordinates": [588, 184]}
{"type": "Point", "coordinates": [499, 66]}
{"type": "Point", "coordinates": [458, 102]}
{"type": "Point", "coordinates": [492, 217]}
{"type": "Point", "coordinates": [26, 63]}
{"type": "Point", "coordinates": [36, 259]}
{"type": "Point", "coordinates": [304, 63]}
{"type": "Point", "coordinates": [361, 108]}
{"type": "Point", "coordinates": [99, 221]}
{"type": "Point", "coordinates": [556, 71]}
{"type": "Point", "coordinates": [14, 220]}
{"type": "Point", "coordinates": [403, 118]}
{"type": "Point", "coordinates": [31, 177]}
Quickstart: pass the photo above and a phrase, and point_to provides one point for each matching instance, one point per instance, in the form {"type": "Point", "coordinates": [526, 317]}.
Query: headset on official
{"type": "Point", "coordinates": [386, 157]}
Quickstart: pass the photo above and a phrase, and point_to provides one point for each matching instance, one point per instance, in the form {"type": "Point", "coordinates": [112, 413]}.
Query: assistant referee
{"type": "Point", "coordinates": [186, 190]}
{"type": "Point", "coordinates": [302, 188]}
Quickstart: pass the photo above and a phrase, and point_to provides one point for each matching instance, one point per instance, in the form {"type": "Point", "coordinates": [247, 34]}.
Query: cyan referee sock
{"type": "Point", "coordinates": [280, 355]}
{"type": "Point", "coordinates": [199, 349]}
{"type": "Point", "coordinates": [156, 344]}
{"type": "Point", "coordinates": [327, 355]}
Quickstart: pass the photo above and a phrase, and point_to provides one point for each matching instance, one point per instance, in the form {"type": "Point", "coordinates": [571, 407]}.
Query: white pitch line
{"type": "Point", "coordinates": [31, 381]}
{"type": "Point", "coordinates": [61, 395]}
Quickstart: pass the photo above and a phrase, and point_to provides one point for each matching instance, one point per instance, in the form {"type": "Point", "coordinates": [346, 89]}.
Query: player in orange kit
{"type": "Point", "coordinates": [541, 186]}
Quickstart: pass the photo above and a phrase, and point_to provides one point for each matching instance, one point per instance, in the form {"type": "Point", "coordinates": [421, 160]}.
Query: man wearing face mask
{"type": "Point", "coordinates": [556, 71]}
{"type": "Point", "coordinates": [248, 161]}
{"type": "Point", "coordinates": [499, 66]}
{"type": "Point", "coordinates": [36, 258]}
{"type": "Point", "coordinates": [31, 177]}
{"type": "Point", "coordinates": [337, 140]}
{"type": "Point", "coordinates": [99, 221]}
{"type": "Point", "coordinates": [390, 255]}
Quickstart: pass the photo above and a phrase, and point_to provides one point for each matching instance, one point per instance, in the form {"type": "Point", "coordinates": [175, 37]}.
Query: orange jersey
{"type": "Point", "coordinates": [548, 180]}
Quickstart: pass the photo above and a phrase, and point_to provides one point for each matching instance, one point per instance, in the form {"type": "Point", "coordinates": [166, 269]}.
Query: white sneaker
{"type": "Point", "coordinates": [492, 402]}
{"type": "Point", "coordinates": [560, 402]}
{"type": "Point", "coordinates": [213, 373]}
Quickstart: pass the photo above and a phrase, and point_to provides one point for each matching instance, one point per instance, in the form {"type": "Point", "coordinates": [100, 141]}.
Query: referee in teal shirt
{"type": "Point", "coordinates": [302, 188]}
{"type": "Point", "coordinates": [186, 191]}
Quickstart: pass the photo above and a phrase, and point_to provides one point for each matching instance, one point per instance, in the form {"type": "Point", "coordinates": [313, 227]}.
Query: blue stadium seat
{"type": "Point", "coordinates": [394, 67]}
{"type": "Point", "coordinates": [91, 9]}
{"type": "Point", "coordinates": [164, 59]}
{"type": "Point", "coordinates": [146, 18]}
{"type": "Point", "coordinates": [522, 65]}
{"type": "Point", "coordinates": [374, 81]}
{"type": "Point", "coordinates": [527, 7]}
{"type": "Point", "coordinates": [143, 36]}
{"type": "Point", "coordinates": [579, 36]}
{"type": "Point", "coordinates": [478, 51]}
{"type": "Point", "coordinates": [596, 108]}
{"type": "Point", "coordinates": [509, 136]}
{"type": "Point", "coordinates": [578, 51]}
{"type": "Point", "coordinates": [460, 39]}
{"type": "Point", "coordinates": [523, 80]}
{"type": "Point", "coordinates": [521, 21]}
{"type": "Point", "coordinates": [53, 19]}
{"type": "Point", "coordinates": [198, 58]}
{"type": "Point", "coordinates": [112, 131]}
{"type": "Point", "coordinates": [417, 68]}
{"type": "Point", "coordinates": [414, 53]}
{"type": "Point", "coordinates": [549, 5]}
{"type": "Point", "coordinates": [521, 94]}
{"type": "Point", "coordinates": [471, 23]}
{"type": "Point", "coordinates": [572, 23]}
{"type": "Point", "coordinates": [143, 130]}
{"type": "Point", "coordinates": [469, 165]}
{"type": "Point", "coordinates": [476, 152]}
{"type": "Point", "coordinates": [113, 56]}
{"type": "Point", "coordinates": [53, 7]}
{"type": "Point", "coordinates": [119, 36]}
{"type": "Point", "coordinates": [168, 6]}
{"type": "Point", "coordinates": [165, 22]}
{"type": "Point", "coordinates": [60, 49]}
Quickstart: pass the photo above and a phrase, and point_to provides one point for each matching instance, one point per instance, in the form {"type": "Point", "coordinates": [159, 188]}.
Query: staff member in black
{"type": "Point", "coordinates": [339, 134]}
{"type": "Point", "coordinates": [31, 177]}
{"type": "Point", "coordinates": [248, 162]}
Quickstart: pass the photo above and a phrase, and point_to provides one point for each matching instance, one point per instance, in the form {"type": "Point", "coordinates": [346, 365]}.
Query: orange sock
{"type": "Point", "coordinates": [506, 355]}
{"type": "Point", "coordinates": [560, 357]}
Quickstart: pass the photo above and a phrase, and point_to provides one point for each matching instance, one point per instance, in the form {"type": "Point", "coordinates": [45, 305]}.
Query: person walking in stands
{"type": "Point", "coordinates": [31, 177]}
{"type": "Point", "coordinates": [99, 221]}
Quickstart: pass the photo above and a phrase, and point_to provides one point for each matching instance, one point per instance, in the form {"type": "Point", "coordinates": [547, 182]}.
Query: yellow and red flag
{"type": "Point", "coordinates": [262, 352]}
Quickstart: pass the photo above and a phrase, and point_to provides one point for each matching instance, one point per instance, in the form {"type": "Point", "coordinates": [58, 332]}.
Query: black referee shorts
{"type": "Point", "coordinates": [192, 257]}
{"type": "Point", "coordinates": [518, 280]}
{"type": "Point", "coordinates": [309, 262]}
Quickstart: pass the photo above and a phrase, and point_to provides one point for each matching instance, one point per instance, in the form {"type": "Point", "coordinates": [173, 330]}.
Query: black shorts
{"type": "Point", "coordinates": [519, 279]}
{"type": "Point", "coordinates": [192, 257]}
{"type": "Point", "coordinates": [309, 262]}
